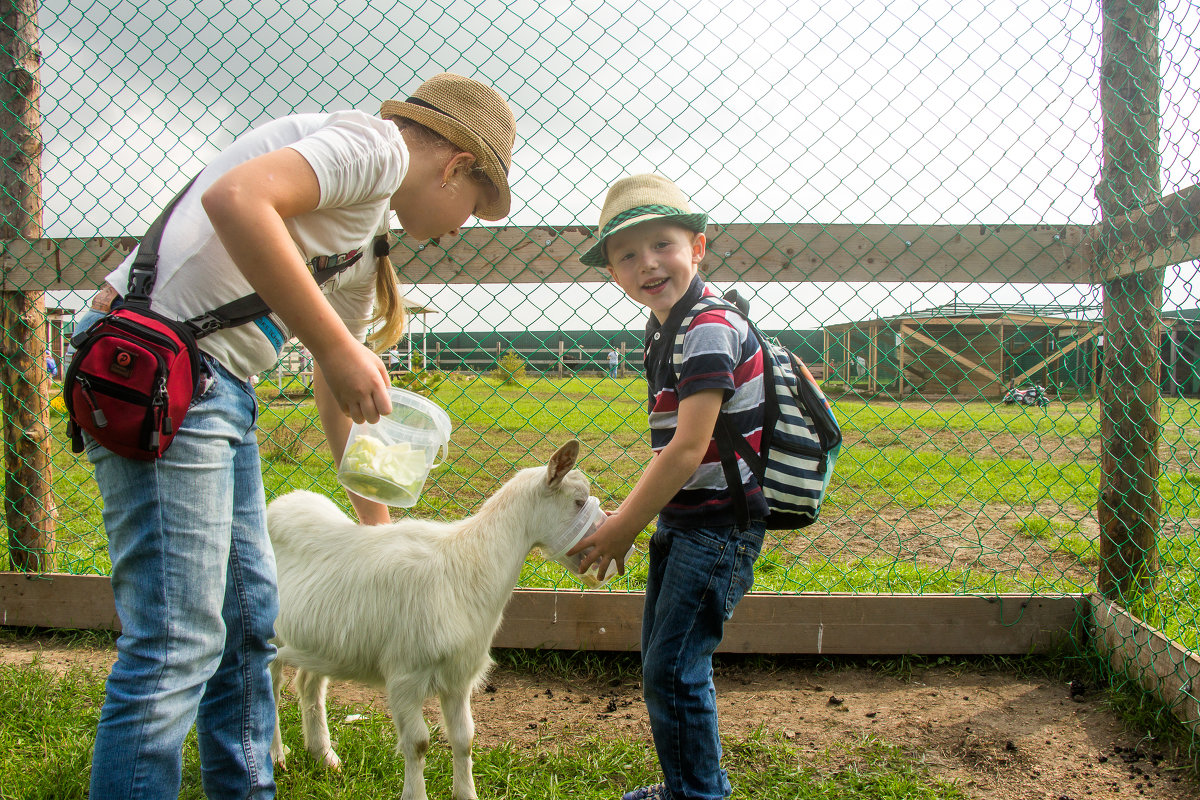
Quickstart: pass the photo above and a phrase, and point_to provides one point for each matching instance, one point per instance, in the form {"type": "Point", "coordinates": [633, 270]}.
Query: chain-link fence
{"type": "Point", "coordinates": [976, 221]}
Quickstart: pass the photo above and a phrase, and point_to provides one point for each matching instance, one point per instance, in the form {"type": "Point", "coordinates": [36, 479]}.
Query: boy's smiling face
{"type": "Point", "coordinates": [654, 262]}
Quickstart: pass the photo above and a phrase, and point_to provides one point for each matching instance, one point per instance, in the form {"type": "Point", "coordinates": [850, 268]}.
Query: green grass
{"type": "Point", "coordinates": [50, 722]}
{"type": "Point", "coordinates": [1033, 468]}
{"type": "Point", "coordinates": [1062, 536]}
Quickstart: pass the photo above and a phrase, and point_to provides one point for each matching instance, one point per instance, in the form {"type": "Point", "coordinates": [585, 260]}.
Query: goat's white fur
{"type": "Point", "coordinates": [411, 606]}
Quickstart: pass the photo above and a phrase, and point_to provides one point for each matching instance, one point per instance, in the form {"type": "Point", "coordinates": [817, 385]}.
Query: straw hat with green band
{"type": "Point", "coordinates": [637, 199]}
{"type": "Point", "coordinates": [469, 115]}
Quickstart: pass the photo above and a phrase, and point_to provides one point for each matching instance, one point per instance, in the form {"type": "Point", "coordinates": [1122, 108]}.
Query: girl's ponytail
{"type": "Point", "coordinates": [390, 315]}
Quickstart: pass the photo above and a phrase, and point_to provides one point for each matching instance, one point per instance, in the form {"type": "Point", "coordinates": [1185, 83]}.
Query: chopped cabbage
{"type": "Point", "coordinates": [383, 471]}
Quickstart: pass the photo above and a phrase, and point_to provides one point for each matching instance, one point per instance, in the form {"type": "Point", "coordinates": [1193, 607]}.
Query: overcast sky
{"type": "Point", "coordinates": [898, 112]}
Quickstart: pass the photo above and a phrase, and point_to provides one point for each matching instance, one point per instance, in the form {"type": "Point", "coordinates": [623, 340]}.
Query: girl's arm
{"type": "Point", "coordinates": [337, 429]}
{"type": "Point", "coordinates": [665, 475]}
{"type": "Point", "coordinates": [247, 207]}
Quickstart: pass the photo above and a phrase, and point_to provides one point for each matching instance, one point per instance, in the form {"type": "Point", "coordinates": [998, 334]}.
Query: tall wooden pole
{"type": "Point", "coordinates": [1130, 506]}
{"type": "Point", "coordinates": [28, 500]}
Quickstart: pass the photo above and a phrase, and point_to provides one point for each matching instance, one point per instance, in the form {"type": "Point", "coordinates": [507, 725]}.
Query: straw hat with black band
{"type": "Point", "coordinates": [469, 115]}
{"type": "Point", "coordinates": [637, 199]}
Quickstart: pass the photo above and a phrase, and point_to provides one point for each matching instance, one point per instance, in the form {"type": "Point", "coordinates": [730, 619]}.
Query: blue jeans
{"type": "Point", "coordinates": [696, 578]}
{"type": "Point", "coordinates": [193, 575]}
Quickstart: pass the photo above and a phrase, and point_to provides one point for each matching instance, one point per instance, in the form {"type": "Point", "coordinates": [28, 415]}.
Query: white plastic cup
{"type": "Point", "coordinates": [586, 521]}
{"type": "Point", "coordinates": [390, 460]}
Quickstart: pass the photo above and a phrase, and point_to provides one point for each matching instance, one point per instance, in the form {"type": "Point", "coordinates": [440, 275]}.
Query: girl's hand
{"type": "Point", "coordinates": [358, 381]}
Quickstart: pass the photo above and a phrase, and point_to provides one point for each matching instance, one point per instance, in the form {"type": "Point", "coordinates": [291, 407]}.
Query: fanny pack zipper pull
{"type": "Point", "coordinates": [97, 413]}
{"type": "Point", "coordinates": [163, 417]}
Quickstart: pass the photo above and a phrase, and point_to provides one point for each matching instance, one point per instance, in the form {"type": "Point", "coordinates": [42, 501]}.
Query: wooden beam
{"type": "Point", "coordinates": [963, 361]}
{"type": "Point", "coordinates": [838, 624]}
{"type": "Point", "coordinates": [1163, 233]}
{"type": "Point", "coordinates": [1045, 362]}
{"type": "Point", "coordinates": [55, 600]}
{"type": "Point", "coordinates": [45, 264]}
{"type": "Point", "coordinates": [1161, 666]}
{"type": "Point", "coordinates": [1129, 507]}
{"type": "Point", "coordinates": [1033, 254]}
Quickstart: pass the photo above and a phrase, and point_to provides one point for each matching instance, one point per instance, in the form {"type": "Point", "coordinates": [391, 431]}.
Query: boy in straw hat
{"type": "Point", "coordinates": [193, 573]}
{"type": "Point", "coordinates": [700, 562]}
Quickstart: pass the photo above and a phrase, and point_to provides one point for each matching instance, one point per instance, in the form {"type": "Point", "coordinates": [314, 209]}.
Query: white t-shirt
{"type": "Point", "coordinates": [359, 161]}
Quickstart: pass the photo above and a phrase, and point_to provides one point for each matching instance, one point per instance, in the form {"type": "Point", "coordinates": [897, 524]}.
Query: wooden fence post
{"type": "Point", "coordinates": [28, 499]}
{"type": "Point", "coordinates": [1130, 505]}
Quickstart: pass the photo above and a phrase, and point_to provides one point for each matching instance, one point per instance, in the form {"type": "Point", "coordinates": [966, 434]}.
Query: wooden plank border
{"type": "Point", "coordinates": [1162, 667]}
{"type": "Point", "coordinates": [1032, 254]}
{"type": "Point", "coordinates": [837, 624]}
{"type": "Point", "coordinates": [57, 600]}
{"type": "Point", "coordinates": [814, 624]}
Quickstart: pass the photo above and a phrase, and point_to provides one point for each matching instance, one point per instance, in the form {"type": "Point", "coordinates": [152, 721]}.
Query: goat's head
{"type": "Point", "coordinates": [546, 498]}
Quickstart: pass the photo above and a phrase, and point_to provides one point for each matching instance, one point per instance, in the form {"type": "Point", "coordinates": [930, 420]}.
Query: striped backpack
{"type": "Point", "coordinates": [800, 435]}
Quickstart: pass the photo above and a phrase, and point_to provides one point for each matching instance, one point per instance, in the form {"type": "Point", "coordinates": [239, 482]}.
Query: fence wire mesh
{"type": "Point", "coordinates": [913, 196]}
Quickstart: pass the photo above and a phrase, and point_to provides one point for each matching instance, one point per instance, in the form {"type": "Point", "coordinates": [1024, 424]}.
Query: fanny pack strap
{"type": "Point", "coordinates": [144, 272]}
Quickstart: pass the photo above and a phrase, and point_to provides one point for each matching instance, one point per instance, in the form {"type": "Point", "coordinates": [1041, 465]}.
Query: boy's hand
{"type": "Point", "coordinates": [610, 542]}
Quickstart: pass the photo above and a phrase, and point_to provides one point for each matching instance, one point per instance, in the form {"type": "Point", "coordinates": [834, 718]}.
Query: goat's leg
{"type": "Point", "coordinates": [460, 730]}
{"type": "Point", "coordinates": [406, 698]}
{"type": "Point", "coordinates": [278, 750]}
{"type": "Point", "coordinates": [311, 688]}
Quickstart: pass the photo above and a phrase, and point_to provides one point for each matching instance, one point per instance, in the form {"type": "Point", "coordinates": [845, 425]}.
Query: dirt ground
{"type": "Point", "coordinates": [998, 735]}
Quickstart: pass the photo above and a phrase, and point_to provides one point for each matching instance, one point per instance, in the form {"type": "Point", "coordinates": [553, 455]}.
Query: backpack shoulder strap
{"type": "Point", "coordinates": [702, 305]}
{"type": "Point", "coordinates": [252, 307]}
{"type": "Point", "coordinates": [144, 270]}
{"type": "Point", "coordinates": [729, 444]}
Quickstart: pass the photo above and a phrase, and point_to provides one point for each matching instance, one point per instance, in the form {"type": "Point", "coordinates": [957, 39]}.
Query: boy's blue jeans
{"type": "Point", "coordinates": [696, 578]}
{"type": "Point", "coordinates": [193, 575]}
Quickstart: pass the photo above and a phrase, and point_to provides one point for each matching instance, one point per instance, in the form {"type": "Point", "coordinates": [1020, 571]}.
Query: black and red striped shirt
{"type": "Point", "coordinates": [719, 352]}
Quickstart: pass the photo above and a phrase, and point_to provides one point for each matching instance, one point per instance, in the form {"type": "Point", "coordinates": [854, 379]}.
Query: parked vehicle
{"type": "Point", "coordinates": [1028, 396]}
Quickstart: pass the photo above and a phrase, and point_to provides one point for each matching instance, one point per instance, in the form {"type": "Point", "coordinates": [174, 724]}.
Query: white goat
{"type": "Point", "coordinates": [411, 606]}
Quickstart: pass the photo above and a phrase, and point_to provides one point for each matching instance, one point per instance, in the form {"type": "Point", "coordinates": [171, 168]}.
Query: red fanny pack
{"type": "Point", "coordinates": [130, 382]}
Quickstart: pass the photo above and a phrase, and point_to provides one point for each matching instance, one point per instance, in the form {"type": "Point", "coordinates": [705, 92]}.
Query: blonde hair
{"type": "Point", "coordinates": [390, 314]}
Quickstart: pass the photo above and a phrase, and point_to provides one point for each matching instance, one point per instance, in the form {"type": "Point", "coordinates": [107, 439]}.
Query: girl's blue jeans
{"type": "Point", "coordinates": [696, 578]}
{"type": "Point", "coordinates": [193, 575]}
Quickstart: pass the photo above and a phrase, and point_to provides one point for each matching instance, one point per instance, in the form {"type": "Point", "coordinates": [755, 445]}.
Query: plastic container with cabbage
{"type": "Point", "coordinates": [557, 543]}
{"type": "Point", "coordinates": [390, 460]}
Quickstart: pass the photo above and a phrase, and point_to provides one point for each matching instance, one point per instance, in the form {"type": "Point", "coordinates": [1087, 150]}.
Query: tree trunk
{"type": "Point", "coordinates": [28, 500]}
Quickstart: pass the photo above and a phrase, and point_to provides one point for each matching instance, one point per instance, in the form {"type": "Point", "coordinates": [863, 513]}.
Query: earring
{"type": "Point", "coordinates": [443, 186]}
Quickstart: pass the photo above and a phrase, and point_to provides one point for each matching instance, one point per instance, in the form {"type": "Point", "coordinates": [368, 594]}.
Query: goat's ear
{"type": "Point", "coordinates": [561, 463]}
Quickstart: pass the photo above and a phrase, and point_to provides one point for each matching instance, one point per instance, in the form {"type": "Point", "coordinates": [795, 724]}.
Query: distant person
{"type": "Point", "coordinates": [614, 362]}
{"type": "Point", "coordinates": [700, 562]}
{"type": "Point", "coordinates": [51, 365]}
{"type": "Point", "coordinates": [193, 572]}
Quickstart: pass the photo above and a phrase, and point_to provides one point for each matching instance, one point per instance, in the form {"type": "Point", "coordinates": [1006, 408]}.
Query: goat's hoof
{"type": "Point", "coordinates": [279, 759]}
{"type": "Point", "coordinates": [333, 762]}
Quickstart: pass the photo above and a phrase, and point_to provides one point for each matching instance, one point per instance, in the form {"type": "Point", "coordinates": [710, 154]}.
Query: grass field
{"type": "Point", "coordinates": [927, 497]}
{"type": "Point", "coordinates": [1026, 479]}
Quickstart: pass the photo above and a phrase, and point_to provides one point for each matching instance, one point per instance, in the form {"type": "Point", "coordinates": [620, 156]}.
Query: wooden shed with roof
{"type": "Point", "coordinates": [967, 350]}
